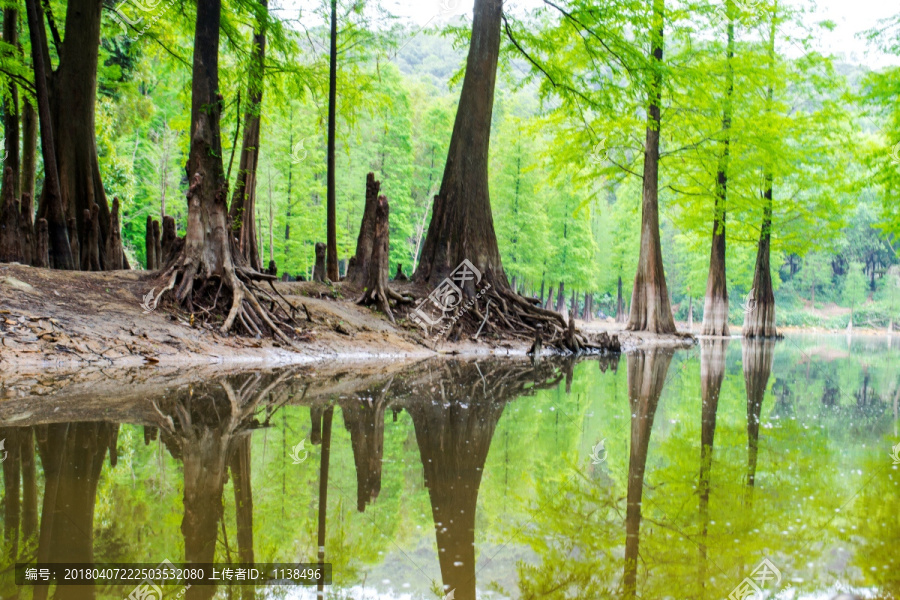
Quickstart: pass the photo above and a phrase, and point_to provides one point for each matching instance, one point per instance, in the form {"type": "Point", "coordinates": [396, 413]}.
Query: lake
{"type": "Point", "coordinates": [713, 472]}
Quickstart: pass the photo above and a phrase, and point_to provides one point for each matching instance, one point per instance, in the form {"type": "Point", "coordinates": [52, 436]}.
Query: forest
{"type": "Point", "coordinates": [647, 162]}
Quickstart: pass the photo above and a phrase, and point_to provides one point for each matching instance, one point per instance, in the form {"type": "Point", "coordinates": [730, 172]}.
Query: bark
{"type": "Point", "coordinates": [26, 229]}
{"type": "Point", "coordinates": [319, 269]}
{"type": "Point", "coordinates": [331, 217]}
{"type": "Point", "coordinates": [114, 252]}
{"type": "Point", "coordinates": [29, 149]}
{"type": "Point", "coordinates": [150, 246]}
{"type": "Point", "coordinates": [400, 275]}
{"type": "Point", "coordinates": [759, 320]}
{"type": "Point", "coordinates": [757, 358]}
{"type": "Point", "coordinates": [376, 290]}
{"type": "Point", "coordinates": [462, 225]}
{"type": "Point", "coordinates": [29, 485]}
{"type": "Point", "coordinates": [646, 378]}
{"type": "Point", "coordinates": [12, 503]}
{"type": "Point", "coordinates": [620, 304]}
{"type": "Point", "coordinates": [561, 306]}
{"type": "Point", "coordinates": [53, 203]}
{"type": "Point", "coordinates": [650, 308]}
{"type": "Point", "coordinates": [715, 308]}
{"type": "Point", "coordinates": [11, 110]}
{"type": "Point", "coordinates": [168, 241]}
{"type": "Point", "coordinates": [10, 234]}
{"type": "Point", "coordinates": [74, 240]}
{"type": "Point", "coordinates": [157, 245]}
{"type": "Point", "coordinates": [549, 302]}
{"type": "Point", "coordinates": [358, 273]}
{"type": "Point", "coordinates": [90, 244]}
{"type": "Point", "coordinates": [243, 202]}
{"type": "Point", "coordinates": [42, 245]}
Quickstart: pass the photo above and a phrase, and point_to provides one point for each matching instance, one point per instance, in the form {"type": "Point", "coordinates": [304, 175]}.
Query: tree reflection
{"type": "Point", "coordinates": [712, 372]}
{"type": "Point", "coordinates": [757, 357]}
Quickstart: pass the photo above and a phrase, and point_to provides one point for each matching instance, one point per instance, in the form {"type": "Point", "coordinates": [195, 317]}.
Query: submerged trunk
{"type": "Point", "coordinates": [243, 203]}
{"type": "Point", "coordinates": [759, 319]}
{"type": "Point", "coordinates": [712, 372]}
{"type": "Point", "coordinates": [650, 308]}
{"type": "Point", "coordinates": [462, 225]}
{"type": "Point", "coordinates": [715, 309]}
{"type": "Point", "coordinates": [757, 358]}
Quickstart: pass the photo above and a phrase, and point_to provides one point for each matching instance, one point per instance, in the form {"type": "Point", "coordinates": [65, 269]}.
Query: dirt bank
{"type": "Point", "coordinates": [72, 318]}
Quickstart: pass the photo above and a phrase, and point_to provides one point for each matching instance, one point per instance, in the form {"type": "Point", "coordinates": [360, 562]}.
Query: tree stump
{"type": "Point", "coordinates": [42, 245]}
{"type": "Point", "coordinates": [319, 269]}
{"type": "Point", "coordinates": [114, 254]}
{"type": "Point", "coordinates": [400, 276]}
{"type": "Point", "coordinates": [169, 239]}
{"type": "Point", "coordinates": [273, 269]}
{"type": "Point", "coordinates": [150, 246]}
{"type": "Point", "coordinates": [74, 242]}
{"type": "Point", "coordinates": [10, 238]}
{"type": "Point", "coordinates": [157, 245]}
{"type": "Point", "coordinates": [26, 229]}
{"type": "Point", "coordinates": [358, 271]}
{"type": "Point", "coordinates": [91, 251]}
{"type": "Point", "coordinates": [376, 286]}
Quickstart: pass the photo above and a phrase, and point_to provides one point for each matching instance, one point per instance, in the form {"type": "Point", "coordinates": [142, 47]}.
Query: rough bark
{"type": "Point", "coordinates": [319, 268]}
{"type": "Point", "coordinates": [620, 304]}
{"type": "Point", "coordinates": [168, 241]}
{"type": "Point", "coordinates": [10, 234]}
{"type": "Point", "coordinates": [53, 204]}
{"type": "Point", "coordinates": [74, 240]}
{"type": "Point", "coordinates": [90, 244]}
{"type": "Point", "coordinates": [157, 245]}
{"type": "Point", "coordinates": [11, 110]}
{"type": "Point", "coordinates": [29, 149]}
{"type": "Point", "coordinates": [650, 308]}
{"type": "Point", "coordinates": [150, 246]}
{"type": "Point", "coordinates": [114, 253]}
{"type": "Point", "coordinates": [646, 378]}
{"type": "Point", "coordinates": [715, 308]}
{"type": "Point", "coordinates": [26, 229]}
{"type": "Point", "coordinates": [358, 272]}
{"type": "Point", "coordinates": [376, 290]}
{"type": "Point", "coordinates": [462, 225]}
{"type": "Point", "coordinates": [42, 245]}
{"type": "Point", "coordinates": [243, 202]}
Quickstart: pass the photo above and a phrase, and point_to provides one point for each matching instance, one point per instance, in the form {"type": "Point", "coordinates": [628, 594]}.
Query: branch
{"type": "Point", "coordinates": [54, 31]}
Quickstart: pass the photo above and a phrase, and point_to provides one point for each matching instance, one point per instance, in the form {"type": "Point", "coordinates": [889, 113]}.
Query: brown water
{"type": "Point", "coordinates": [486, 479]}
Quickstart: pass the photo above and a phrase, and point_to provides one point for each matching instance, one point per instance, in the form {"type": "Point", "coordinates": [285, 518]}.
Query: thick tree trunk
{"type": "Point", "coordinates": [646, 378]}
{"type": "Point", "coordinates": [365, 422]}
{"type": "Point", "coordinates": [331, 202]}
{"type": "Point", "coordinates": [650, 308]}
{"type": "Point", "coordinates": [757, 358]}
{"type": "Point", "coordinates": [11, 109]}
{"type": "Point", "coordinates": [243, 503]}
{"type": "Point", "coordinates": [358, 272]}
{"type": "Point", "coordinates": [549, 302]}
{"type": "Point", "coordinates": [168, 242]}
{"type": "Point", "coordinates": [462, 225]}
{"type": "Point", "coordinates": [715, 308]}
{"type": "Point", "coordinates": [319, 268]}
{"type": "Point", "coordinates": [243, 202]}
{"type": "Point", "coordinates": [53, 204]}
{"type": "Point", "coordinates": [10, 232]}
{"type": "Point", "coordinates": [11, 497]}
{"type": "Point", "coordinates": [759, 320]}
{"type": "Point", "coordinates": [376, 290]}
{"type": "Point", "coordinates": [29, 149]}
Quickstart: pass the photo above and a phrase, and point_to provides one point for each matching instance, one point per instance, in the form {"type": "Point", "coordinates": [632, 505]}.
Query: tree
{"type": "Point", "coordinates": [855, 287]}
{"type": "Point", "coordinates": [650, 310]}
{"type": "Point", "coordinates": [331, 218]}
{"type": "Point", "coordinates": [815, 273]}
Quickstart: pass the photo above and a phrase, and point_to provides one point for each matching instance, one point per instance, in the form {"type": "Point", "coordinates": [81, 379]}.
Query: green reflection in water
{"type": "Point", "coordinates": [478, 477]}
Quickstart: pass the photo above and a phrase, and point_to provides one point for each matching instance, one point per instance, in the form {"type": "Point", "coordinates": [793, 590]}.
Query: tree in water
{"type": "Point", "coordinates": [715, 308]}
{"type": "Point", "coordinates": [650, 309]}
{"type": "Point", "coordinates": [208, 253]}
{"type": "Point", "coordinates": [757, 358]}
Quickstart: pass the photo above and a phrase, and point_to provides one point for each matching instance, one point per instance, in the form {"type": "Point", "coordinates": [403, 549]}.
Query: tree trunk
{"type": "Point", "coordinates": [168, 242]}
{"type": "Point", "coordinates": [114, 256]}
{"type": "Point", "coordinates": [53, 203]}
{"type": "Point", "coordinates": [243, 202]}
{"type": "Point", "coordinates": [74, 241]}
{"type": "Point", "coordinates": [331, 216]}
{"type": "Point", "coordinates": [26, 229]}
{"type": "Point", "coordinates": [620, 304]}
{"type": "Point", "coordinates": [462, 225]}
{"type": "Point", "coordinates": [650, 308]}
{"type": "Point", "coordinates": [11, 109]}
{"type": "Point", "coordinates": [715, 308]}
{"type": "Point", "coordinates": [376, 285]}
{"type": "Point", "coordinates": [712, 372]}
{"type": "Point", "coordinates": [29, 149]}
{"type": "Point", "coordinates": [10, 232]}
{"type": "Point", "coordinates": [549, 302]}
{"type": "Point", "coordinates": [150, 245]}
{"type": "Point", "coordinates": [757, 359]}
{"type": "Point", "coordinates": [759, 320]}
{"type": "Point", "coordinates": [358, 272]}
{"type": "Point", "coordinates": [9, 452]}
{"type": "Point", "coordinates": [42, 245]}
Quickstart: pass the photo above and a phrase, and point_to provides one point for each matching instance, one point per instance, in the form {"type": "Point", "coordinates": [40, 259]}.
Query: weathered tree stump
{"type": "Point", "coordinates": [376, 285]}
{"type": "Point", "coordinates": [319, 269]}
{"type": "Point", "coordinates": [26, 229]}
{"type": "Point", "coordinates": [90, 249]}
{"type": "Point", "coordinates": [273, 269]}
{"type": "Point", "coordinates": [74, 242]}
{"type": "Point", "coordinates": [42, 245]}
{"type": "Point", "coordinates": [150, 246]}
{"type": "Point", "coordinates": [114, 253]}
{"type": "Point", "coordinates": [10, 239]}
{"type": "Point", "coordinates": [358, 271]}
{"type": "Point", "coordinates": [400, 276]}
{"type": "Point", "coordinates": [169, 240]}
{"type": "Point", "coordinates": [157, 244]}
{"type": "Point", "coordinates": [549, 303]}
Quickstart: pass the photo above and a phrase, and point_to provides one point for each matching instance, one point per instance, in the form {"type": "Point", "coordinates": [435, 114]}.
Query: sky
{"type": "Point", "coordinates": [850, 17]}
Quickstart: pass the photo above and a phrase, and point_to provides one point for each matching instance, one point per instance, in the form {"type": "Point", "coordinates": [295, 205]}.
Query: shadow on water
{"type": "Point", "coordinates": [577, 528]}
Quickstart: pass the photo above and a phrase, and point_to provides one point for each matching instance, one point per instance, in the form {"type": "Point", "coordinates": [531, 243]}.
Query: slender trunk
{"type": "Point", "coordinates": [29, 149]}
{"type": "Point", "coordinates": [11, 108]}
{"type": "Point", "coordinates": [331, 262]}
{"type": "Point", "coordinates": [327, 417]}
{"type": "Point", "coordinates": [462, 226]}
{"type": "Point", "coordinates": [52, 205]}
{"type": "Point", "coordinates": [757, 358]}
{"type": "Point", "coordinates": [712, 372]}
{"type": "Point", "coordinates": [243, 202]}
{"type": "Point", "coordinates": [759, 320]}
{"type": "Point", "coordinates": [715, 309]}
{"type": "Point", "coordinates": [243, 504]}
{"type": "Point", "coordinates": [650, 308]}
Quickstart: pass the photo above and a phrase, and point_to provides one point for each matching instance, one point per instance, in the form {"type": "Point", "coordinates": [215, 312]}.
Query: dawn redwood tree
{"type": "Point", "coordinates": [331, 202]}
{"type": "Point", "coordinates": [207, 255]}
{"type": "Point", "coordinates": [759, 320]}
{"type": "Point", "coordinates": [650, 309]}
{"type": "Point", "coordinates": [715, 309]}
{"type": "Point", "coordinates": [243, 202]}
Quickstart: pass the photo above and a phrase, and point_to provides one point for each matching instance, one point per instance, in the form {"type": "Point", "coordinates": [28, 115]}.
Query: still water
{"type": "Point", "coordinates": [650, 475]}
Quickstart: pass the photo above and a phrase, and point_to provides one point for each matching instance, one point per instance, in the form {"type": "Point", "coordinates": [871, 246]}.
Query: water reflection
{"type": "Point", "coordinates": [200, 472]}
